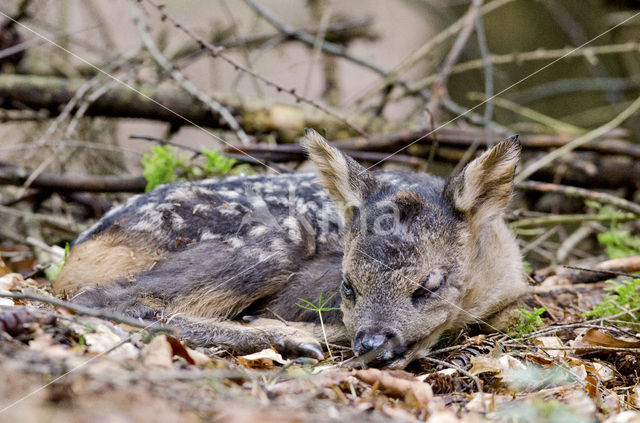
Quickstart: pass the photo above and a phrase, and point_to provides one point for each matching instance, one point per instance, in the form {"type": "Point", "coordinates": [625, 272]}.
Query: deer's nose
{"type": "Point", "coordinates": [370, 340]}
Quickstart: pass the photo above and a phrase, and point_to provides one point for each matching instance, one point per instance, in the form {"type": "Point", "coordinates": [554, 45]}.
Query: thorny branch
{"type": "Point", "coordinates": [218, 52]}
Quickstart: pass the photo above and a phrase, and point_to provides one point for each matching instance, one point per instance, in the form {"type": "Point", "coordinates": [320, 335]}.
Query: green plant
{"type": "Point", "coordinates": [622, 301]}
{"type": "Point", "coordinates": [160, 167]}
{"type": "Point", "coordinates": [52, 271]}
{"type": "Point", "coordinates": [617, 243]}
{"type": "Point", "coordinates": [530, 321]}
{"type": "Point", "coordinates": [164, 165]}
{"type": "Point", "coordinates": [319, 308]}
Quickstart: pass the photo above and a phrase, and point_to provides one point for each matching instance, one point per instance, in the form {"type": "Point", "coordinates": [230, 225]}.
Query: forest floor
{"type": "Point", "coordinates": [60, 366]}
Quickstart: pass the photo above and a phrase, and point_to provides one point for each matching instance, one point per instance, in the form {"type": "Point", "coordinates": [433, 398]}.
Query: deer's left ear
{"type": "Point", "coordinates": [483, 189]}
{"type": "Point", "coordinates": [348, 183]}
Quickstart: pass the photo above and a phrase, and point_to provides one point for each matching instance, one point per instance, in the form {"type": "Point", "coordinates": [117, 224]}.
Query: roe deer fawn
{"type": "Point", "coordinates": [412, 255]}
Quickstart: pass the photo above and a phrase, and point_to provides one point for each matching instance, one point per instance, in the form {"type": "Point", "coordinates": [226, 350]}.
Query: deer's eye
{"type": "Point", "coordinates": [429, 286]}
{"type": "Point", "coordinates": [347, 289]}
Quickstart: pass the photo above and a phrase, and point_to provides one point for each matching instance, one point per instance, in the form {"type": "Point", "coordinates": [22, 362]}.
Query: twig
{"type": "Point", "coordinates": [439, 86]}
{"type": "Point", "coordinates": [604, 272]}
{"type": "Point", "coordinates": [13, 175]}
{"type": "Point", "coordinates": [341, 52]}
{"type": "Point", "coordinates": [555, 124]}
{"type": "Point", "coordinates": [519, 58]}
{"type": "Point", "coordinates": [317, 44]}
{"type": "Point", "coordinates": [590, 136]}
{"type": "Point", "coordinates": [243, 158]}
{"type": "Point", "coordinates": [86, 311]}
{"type": "Point", "coordinates": [555, 219]}
{"type": "Point", "coordinates": [177, 76]}
{"type": "Point", "coordinates": [217, 52]}
{"type": "Point", "coordinates": [488, 77]}
{"type": "Point", "coordinates": [600, 197]}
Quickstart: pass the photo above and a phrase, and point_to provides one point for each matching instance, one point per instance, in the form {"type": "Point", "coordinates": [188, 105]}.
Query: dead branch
{"type": "Point", "coordinates": [439, 87]}
{"type": "Point", "coordinates": [569, 191]}
{"type": "Point", "coordinates": [295, 152]}
{"type": "Point", "coordinates": [338, 33]}
{"type": "Point", "coordinates": [86, 311]}
{"type": "Point", "coordinates": [179, 77]}
{"type": "Point", "coordinates": [13, 175]}
{"type": "Point", "coordinates": [20, 92]}
{"type": "Point", "coordinates": [218, 52]}
{"type": "Point", "coordinates": [561, 275]}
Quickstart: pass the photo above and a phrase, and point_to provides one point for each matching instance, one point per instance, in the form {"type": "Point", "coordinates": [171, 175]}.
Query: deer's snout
{"type": "Point", "coordinates": [371, 339]}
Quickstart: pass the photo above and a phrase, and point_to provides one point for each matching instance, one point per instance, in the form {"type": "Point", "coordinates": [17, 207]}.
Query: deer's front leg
{"type": "Point", "coordinates": [255, 334]}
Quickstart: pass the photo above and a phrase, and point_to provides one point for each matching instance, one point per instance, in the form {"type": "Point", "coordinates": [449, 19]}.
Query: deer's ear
{"type": "Point", "coordinates": [484, 187]}
{"type": "Point", "coordinates": [348, 183]}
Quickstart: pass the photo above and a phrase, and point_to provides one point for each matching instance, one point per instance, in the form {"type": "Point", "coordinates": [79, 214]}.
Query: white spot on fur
{"type": "Point", "coordinates": [235, 243]}
{"type": "Point", "coordinates": [202, 208]}
{"type": "Point", "coordinates": [258, 231]}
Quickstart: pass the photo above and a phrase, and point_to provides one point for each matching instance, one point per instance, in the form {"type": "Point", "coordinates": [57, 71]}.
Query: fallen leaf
{"type": "Point", "coordinates": [550, 342]}
{"type": "Point", "coordinates": [158, 353]}
{"type": "Point", "coordinates": [397, 386]}
{"type": "Point", "coordinates": [601, 338]}
{"type": "Point", "coordinates": [10, 281]}
{"type": "Point", "coordinates": [199, 359]}
{"type": "Point", "coordinates": [262, 359]}
{"type": "Point", "coordinates": [4, 269]}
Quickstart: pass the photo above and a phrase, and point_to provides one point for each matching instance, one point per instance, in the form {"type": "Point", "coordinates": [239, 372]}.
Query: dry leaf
{"type": "Point", "coordinates": [550, 342]}
{"type": "Point", "coordinates": [4, 269]}
{"type": "Point", "coordinates": [601, 338]}
{"type": "Point", "coordinates": [396, 385]}
{"type": "Point", "coordinates": [199, 359]}
{"type": "Point", "coordinates": [10, 281]}
{"type": "Point", "coordinates": [262, 359]}
{"type": "Point", "coordinates": [158, 353]}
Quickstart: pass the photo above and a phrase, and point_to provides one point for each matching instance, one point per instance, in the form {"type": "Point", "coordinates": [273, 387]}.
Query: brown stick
{"type": "Point", "coordinates": [86, 311]}
{"type": "Point", "coordinates": [439, 87]}
{"type": "Point", "coordinates": [13, 175]}
{"type": "Point", "coordinates": [561, 275]}
{"type": "Point", "coordinates": [295, 152]}
{"type": "Point", "coordinates": [569, 191]}
{"type": "Point", "coordinates": [20, 92]}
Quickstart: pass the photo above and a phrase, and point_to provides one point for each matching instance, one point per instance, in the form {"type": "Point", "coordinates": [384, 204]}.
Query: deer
{"type": "Point", "coordinates": [405, 257]}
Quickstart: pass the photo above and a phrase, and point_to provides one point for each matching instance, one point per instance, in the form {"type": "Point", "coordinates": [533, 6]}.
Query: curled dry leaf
{"type": "Point", "coordinates": [602, 338]}
{"type": "Point", "coordinates": [264, 359]}
{"type": "Point", "coordinates": [398, 384]}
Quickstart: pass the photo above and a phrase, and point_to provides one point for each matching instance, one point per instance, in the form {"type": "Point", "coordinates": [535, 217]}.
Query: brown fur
{"type": "Point", "coordinates": [104, 260]}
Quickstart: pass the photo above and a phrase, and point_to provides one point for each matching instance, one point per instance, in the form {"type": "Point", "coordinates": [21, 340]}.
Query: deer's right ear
{"type": "Point", "coordinates": [348, 183]}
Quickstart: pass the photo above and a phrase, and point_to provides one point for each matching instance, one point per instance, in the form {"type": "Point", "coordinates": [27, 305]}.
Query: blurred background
{"type": "Point", "coordinates": [80, 78]}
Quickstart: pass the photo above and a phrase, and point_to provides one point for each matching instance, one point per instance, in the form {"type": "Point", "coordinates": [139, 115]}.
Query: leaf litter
{"type": "Point", "coordinates": [88, 368]}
